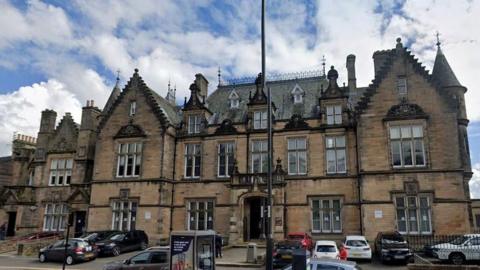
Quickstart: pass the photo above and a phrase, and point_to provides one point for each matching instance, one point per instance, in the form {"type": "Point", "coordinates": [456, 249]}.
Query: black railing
{"type": "Point", "coordinates": [429, 245]}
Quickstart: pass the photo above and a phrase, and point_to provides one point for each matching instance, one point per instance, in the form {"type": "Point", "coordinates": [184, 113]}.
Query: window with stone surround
{"type": "Point", "coordinates": [194, 124]}
{"type": "Point", "coordinates": [200, 215]}
{"type": "Point", "coordinates": [326, 215]}
{"type": "Point", "coordinates": [413, 214]}
{"type": "Point", "coordinates": [336, 154]}
{"type": "Point", "coordinates": [55, 217]}
{"type": "Point", "coordinates": [407, 147]}
{"type": "Point", "coordinates": [133, 108]}
{"type": "Point", "coordinates": [226, 159]}
{"type": "Point", "coordinates": [60, 172]}
{"type": "Point", "coordinates": [129, 159]}
{"type": "Point", "coordinates": [259, 156]}
{"type": "Point", "coordinates": [334, 115]}
{"type": "Point", "coordinates": [124, 215]}
{"type": "Point", "coordinates": [260, 119]}
{"type": "Point", "coordinates": [297, 156]}
{"type": "Point", "coordinates": [402, 86]}
{"type": "Point", "coordinates": [193, 160]}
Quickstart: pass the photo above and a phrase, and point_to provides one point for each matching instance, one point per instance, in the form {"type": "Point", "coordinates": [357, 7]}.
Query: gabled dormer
{"type": "Point", "coordinates": [195, 111]}
{"type": "Point", "coordinates": [333, 101]}
{"type": "Point", "coordinates": [233, 100]}
{"type": "Point", "coordinates": [258, 107]}
{"type": "Point", "coordinates": [297, 94]}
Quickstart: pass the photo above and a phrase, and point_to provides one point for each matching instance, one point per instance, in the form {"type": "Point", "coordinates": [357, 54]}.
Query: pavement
{"type": "Point", "coordinates": [233, 258]}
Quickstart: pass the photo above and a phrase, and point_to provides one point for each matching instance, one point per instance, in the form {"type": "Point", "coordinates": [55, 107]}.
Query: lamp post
{"type": "Point", "coordinates": [268, 229]}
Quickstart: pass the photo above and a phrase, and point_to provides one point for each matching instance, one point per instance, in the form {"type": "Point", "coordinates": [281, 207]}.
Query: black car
{"type": "Point", "coordinates": [283, 252]}
{"type": "Point", "coordinates": [392, 246]}
{"type": "Point", "coordinates": [96, 236]}
{"type": "Point", "coordinates": [123, 242]}
{"type": "Point", "coordinates": [155, 258]}
{"type": "Point", "coordinates": [78, 250]}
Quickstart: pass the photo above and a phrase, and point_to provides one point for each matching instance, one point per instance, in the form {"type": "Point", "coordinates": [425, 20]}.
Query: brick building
{"type": "Point", "coordinates": [348, 160]}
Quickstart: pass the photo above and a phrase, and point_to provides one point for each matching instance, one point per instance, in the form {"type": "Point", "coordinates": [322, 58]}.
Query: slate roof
{"type": "Point", "coordinates": [442, 72]}
{"type": "Point", "coordinates": [218, 101]}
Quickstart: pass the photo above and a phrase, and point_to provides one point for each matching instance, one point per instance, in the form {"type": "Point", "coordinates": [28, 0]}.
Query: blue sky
{"type": "Point", "coordinates": [69, 51]}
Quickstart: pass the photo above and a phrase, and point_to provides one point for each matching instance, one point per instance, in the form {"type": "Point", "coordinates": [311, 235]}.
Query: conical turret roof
{"type": "Point", "coordinates": [113, 96]}
{"type": "Point", "coordinates": [442, 72]}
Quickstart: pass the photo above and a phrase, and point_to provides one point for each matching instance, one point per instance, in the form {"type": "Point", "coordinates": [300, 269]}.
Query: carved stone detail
{"type": "Point", "coordinates": [405, 110]}
{"type": "Point", "coordinates": [296, 122]}
{"type": "Point", "coordinates": [226, 127]}
{"type": "Point", "coordinates": [130, 131]}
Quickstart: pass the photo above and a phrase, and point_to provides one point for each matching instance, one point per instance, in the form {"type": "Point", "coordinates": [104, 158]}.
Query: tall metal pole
{"type": "Point", "coordinates": [268, 231]}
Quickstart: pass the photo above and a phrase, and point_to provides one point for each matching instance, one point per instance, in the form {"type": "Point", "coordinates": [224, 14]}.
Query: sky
{"type": "Point", "coordinates": [58, 54]}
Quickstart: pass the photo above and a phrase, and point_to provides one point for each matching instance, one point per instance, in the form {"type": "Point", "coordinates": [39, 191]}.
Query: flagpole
{"type": "Point", "coordinates": [269, 253]}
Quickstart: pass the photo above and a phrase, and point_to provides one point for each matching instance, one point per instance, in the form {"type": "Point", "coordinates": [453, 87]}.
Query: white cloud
{"type": "Point", "coordinates": [20, 111]}
{"type": "Point", "coordinates": [475, 182]}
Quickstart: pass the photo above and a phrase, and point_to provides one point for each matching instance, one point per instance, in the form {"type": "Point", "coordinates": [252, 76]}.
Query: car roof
{"type": "Point", "coordinates": [333, 261]}
{"type": "Point", "coordinates": [325, 242]}
{"type": "Point", "coordinates": [472, 235]}
{"type": "Point", "coordinates": [355, 237]}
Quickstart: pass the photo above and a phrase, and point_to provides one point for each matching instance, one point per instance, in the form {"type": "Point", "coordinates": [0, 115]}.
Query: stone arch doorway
{"type": "Point", "coordinates": [253, 219]}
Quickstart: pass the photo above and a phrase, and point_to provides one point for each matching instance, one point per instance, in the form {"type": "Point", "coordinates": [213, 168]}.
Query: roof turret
{"type": "Point", "coordinates": [113, 96]}
{"type": "Point", "coordinates": [442, 72]}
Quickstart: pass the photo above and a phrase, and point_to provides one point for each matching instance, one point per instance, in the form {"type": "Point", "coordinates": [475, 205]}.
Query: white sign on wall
{"type": "Point", "coordinates": [148, 215]}
{"type": "Point", "coordinates": [378, 214]}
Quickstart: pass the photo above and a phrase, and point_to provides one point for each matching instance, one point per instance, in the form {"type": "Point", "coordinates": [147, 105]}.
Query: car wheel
{"type": "Point", "coordinates": [69, 260]}
{"type": "Point", "coordinates": [143, 245]}
{"type": "Point", "coordinates": [457, 258]}
{"type": "Point", "coordinates": [42, 258]}
{"type": "Point", "coordinates": [115, 251]}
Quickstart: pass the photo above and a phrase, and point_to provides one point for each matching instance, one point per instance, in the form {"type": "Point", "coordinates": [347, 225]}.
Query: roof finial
{"type": "Point", "coordinates": [168, 85]}
{"type": "Point", "coordinates": [118, 78]}
{"type": "Point", "coordinates": [219, 76]}
{"type": "Point", "coordinates": [438, 39]}
{"type": "Point", "coordinates": [323, 64]}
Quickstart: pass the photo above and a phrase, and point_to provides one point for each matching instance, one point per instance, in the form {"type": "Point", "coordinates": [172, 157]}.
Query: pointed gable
{"type": "Point", "coordinates": [65, 136]}
{"type": "Point", "coordinates": [112, 98]}
{"type": "Point", "coordinates": [166, 113]}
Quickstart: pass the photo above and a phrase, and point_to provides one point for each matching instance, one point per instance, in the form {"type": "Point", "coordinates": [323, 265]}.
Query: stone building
{"type": "Point", "coordinates": [347, 160]}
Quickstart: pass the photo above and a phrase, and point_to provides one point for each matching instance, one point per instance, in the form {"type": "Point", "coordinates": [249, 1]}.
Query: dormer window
{"type": "Point", "coordinates": [297, 94]}
{"type": "Point", "coordinates": [194, 122]}
{"type": "Point", "coordinates": [133, 108]}
{"type": "Point", "coordinates": [402, 86]}
{"type": "Point", "coordinates": [334, 115]}
{"type": "Point", "coordinates": [260, 120]}
{"type": "Point", "coordinates": [234, 100]}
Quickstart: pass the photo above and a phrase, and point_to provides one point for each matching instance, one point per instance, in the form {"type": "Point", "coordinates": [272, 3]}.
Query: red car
{"type": "Point", "coordinates": [304, 238]}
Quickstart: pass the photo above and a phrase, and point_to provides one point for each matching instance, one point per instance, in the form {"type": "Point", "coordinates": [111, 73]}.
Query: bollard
{"type": "Point", "coordinates": [299, 259]}
{"type": "Point", "coordinates": [252, 253]}
{"type": "Point", "coordinates": [20, 249]}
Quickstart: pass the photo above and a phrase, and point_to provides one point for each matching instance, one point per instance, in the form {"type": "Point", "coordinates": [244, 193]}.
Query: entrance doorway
{"type": "Point", "coordinates": [79, 223]}
{"type": "Point", "coordinates": [254, 223]}
{"type": "Point", "coordinates": [12, 219]}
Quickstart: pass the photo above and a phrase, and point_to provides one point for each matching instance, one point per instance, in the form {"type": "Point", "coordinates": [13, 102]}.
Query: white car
{"type": "Point", "coordinates": [357, 247]}
{"type": "Point", "coordinates": [326, 250]}
{"type": "Point", "coordinates": [461, 249]}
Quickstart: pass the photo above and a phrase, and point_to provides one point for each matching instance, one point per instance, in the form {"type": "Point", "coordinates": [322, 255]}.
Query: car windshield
{"type": "Point", "coordinates": [356, 243]}
{"type": "Point", "coordinates": [326, 248]}
{"type": "Point", "coordinates": [118, 236]}
{"type": "Point", "coordinates": [459, 240]}
{"type": "Point", "coordinates": [288, 246]}
{"type": "Point", "coordinates": [393, 238]}
{"type": "Point", "coordinates": [90, 236]}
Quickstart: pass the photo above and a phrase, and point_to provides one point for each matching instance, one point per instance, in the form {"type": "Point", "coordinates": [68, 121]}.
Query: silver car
{"type": "Point", "coordinates": [329, 264]}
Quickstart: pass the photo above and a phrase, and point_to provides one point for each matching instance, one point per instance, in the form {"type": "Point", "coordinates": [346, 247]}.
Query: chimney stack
{"type": "Point", "coordinates": [202, 84]}
{"type": "Point", "coordinates": [90, 115]}
{"type": "Point", "coordinates": [379, 58]}
{"type": "Point", "coordinates": [47, 122]}
{"type": "Point", "coordinates": [352, 79]}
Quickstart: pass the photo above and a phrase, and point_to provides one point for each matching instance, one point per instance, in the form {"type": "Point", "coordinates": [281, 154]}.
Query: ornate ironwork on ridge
{"type": "Point", "coordinates": [275, 77]}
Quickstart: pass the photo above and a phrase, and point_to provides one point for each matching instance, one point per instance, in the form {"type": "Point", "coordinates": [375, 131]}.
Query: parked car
{"type": "Point", "coordinates": [461, 249]}
{"type": "Point", "coordinates": [304, 238]}
{"type": "Point", "coordinates": [77, 250]}
{"type": "Point", "coordinates": [328, 264]}
{"type": "Point", "coordinates": [283, 252]}
{"type": "Point", "coordinates": [324, 264]}
{"type": "Point", "coordinates": [154, 258]}
{"type": "Point", "coordinates": [38, 235]}
{"type": "Point", "coordinates": [96, 236]}
{"type": "Point", "coordinates": [326, 249]}
{"type": "Point", "coordinates": [392, 246]}
{"type": "Point", "coordinates": [357, 247]}
{"type": "Point", "coordinates": [123, 242]}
